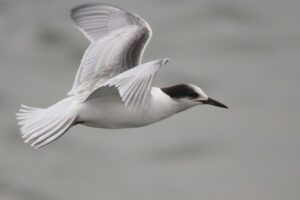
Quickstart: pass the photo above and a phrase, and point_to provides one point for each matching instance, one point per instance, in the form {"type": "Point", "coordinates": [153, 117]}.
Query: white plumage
{"type": "Point", "coordinates": [112, 89]}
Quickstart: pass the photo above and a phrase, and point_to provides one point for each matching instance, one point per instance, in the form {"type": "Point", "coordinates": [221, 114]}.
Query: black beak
{"type": "Point", "coordinates": [213, 102]}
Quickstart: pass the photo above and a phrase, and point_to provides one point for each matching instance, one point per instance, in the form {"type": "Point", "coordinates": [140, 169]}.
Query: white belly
{"type": "Point", "coordinates": [112, 113]}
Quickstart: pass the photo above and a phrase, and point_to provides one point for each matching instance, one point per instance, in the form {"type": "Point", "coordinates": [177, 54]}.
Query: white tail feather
{"type": "Point", "coordinates": [43, 126]}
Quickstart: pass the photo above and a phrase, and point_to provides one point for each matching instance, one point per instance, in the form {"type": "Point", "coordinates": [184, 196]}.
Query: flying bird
{"type": "Point", "coordinates": [112, 88]}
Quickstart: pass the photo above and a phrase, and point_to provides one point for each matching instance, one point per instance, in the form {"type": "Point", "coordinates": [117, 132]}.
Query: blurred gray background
{"type": "Point", "coordinates": [243, 53]}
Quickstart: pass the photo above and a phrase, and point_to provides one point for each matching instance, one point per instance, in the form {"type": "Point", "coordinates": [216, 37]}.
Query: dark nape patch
{"type": "Point", "coordinates": [180, 91]}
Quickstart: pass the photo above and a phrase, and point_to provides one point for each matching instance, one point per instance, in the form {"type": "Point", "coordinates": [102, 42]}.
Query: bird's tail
{"type": "Point", "coordinates": [41, 126]}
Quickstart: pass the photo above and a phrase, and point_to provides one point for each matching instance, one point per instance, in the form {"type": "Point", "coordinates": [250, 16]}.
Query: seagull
{"type": "Point", "coordinates": [112, 88]}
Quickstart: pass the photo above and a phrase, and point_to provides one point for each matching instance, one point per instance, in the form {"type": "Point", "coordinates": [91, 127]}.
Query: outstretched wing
{"type": "Point", "coordinates": [134, 85]}
{"type": "Point", "coordinates": [118, 39]}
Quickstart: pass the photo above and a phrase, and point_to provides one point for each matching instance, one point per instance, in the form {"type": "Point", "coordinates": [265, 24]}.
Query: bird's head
{"type": "Point", "coordinates": [190, 95]}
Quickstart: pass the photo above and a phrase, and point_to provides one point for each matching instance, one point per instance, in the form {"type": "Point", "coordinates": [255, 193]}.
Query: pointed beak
{"type": "Point", "coordinates": [213, 102]}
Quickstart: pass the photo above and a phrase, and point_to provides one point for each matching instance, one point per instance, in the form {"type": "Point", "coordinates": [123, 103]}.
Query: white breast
{"type": "Point", "coordinates": [110, 112]}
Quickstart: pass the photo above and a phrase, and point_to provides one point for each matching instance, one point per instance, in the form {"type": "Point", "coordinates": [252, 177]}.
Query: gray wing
{"type": "Point", "coordinates": [134, 86]}
{"type": "Point", "coordinates": [118, 39]}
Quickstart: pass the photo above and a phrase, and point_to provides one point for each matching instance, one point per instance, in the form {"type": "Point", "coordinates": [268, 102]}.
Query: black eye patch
{"type": "Point", "coordinates": [180, 91]}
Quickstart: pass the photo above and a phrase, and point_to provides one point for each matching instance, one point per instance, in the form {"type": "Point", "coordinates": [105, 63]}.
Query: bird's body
{"type": "Point", "coordinates": [112, 89]}
{"type": "Point", "coordinates": [114, 114]}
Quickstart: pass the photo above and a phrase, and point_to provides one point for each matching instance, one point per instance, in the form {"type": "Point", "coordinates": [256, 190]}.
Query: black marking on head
{"type": "Point", "coordinates": [181, 91]}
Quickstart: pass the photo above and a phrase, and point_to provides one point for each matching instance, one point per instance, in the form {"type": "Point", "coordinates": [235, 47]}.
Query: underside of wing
{"type": "Point", "coordinates": [118, 39]}
{"type": "Point", "coordinates": [134, 85]}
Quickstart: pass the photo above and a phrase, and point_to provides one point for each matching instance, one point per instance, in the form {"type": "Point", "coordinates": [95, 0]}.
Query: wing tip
{"type": "Point", "coordinates": [87, 5]}
{"type": "Point", "coordinates": [81, 6]}
{"type": "Point", "coordinates": [165, 61]}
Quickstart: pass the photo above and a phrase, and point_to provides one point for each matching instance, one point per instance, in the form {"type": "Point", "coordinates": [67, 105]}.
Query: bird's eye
{"type": "Point", "coordinates": [193, 95]}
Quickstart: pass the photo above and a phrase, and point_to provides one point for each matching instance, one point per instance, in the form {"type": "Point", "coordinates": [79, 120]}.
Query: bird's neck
{"type": "Point", "coordinates": [163, 104]}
